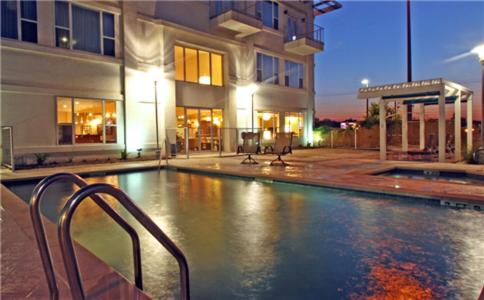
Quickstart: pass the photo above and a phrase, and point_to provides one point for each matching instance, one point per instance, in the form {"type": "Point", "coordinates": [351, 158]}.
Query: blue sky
{"type": "Point", "coordinates": [368, 39]}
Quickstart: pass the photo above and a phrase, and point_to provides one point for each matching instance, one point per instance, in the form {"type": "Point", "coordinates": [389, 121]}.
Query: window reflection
{"type": "Point", "coordinates": [111, 121]}
{"type": "Point", "coordinates": [88, 121]}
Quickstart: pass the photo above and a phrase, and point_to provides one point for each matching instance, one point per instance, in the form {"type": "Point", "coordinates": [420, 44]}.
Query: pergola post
{"type": "Point", "coordinates": [404, 114]}
{"type": "Point", "coordinates": [441, 138]}
{"type": "Point", "coordinates": [383, 130]}
{"type": "Point", "coordinates": [457, 127]}
{"type": "Point", "coordinates": [469, 124]}
{"type": "Point", "coordinates": [422, 125]}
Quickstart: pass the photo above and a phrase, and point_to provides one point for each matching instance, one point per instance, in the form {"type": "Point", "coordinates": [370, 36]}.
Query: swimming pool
{"type": "Point", "coordinates": [249, 239]}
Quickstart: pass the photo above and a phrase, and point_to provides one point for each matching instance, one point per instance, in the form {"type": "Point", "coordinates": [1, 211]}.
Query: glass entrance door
{"type": "Point", "coordinates": [203, 127]}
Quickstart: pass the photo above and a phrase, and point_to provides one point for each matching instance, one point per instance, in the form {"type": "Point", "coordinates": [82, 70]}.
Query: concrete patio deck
{"type": "Point", "coordinates": [21, 271]}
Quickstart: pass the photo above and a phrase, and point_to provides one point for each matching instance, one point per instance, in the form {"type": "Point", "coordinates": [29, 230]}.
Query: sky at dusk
{"type": "Point", "coordinates": [368, 39]}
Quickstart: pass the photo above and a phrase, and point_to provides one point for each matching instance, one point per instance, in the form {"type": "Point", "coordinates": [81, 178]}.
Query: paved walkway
{"type": "Point", "coordinates": [21, 271]}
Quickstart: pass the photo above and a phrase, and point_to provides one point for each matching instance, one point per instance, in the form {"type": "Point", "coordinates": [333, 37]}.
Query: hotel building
{"type": "Point", "coordinates": [83, 78]}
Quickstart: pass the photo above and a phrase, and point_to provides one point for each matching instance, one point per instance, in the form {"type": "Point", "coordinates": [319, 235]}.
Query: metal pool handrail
{"type": "Point", "coordinates": [68, 254]}
{"type": "Point", "coordinates": [35, 215]}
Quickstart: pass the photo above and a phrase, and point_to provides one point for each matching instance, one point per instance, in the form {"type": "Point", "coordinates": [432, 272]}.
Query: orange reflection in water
{"type": "Point", "coordinates": [397, 283]}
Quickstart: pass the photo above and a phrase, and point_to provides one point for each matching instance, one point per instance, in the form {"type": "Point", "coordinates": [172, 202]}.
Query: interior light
{"type": "Point", "coordinates": [293, 37]}
{"type": "Point", "coordinates": [266, 135]}
{"type": "Point", "coordinates": [64, 39]}
{"type": "Point", "coordinates": [90, 114]}
{"type": "Point", "coordinates": [204, 80]}
{"type": "Point", "coordinates": [65, 106]}
{"type": "Point", "coordinates": [266, 116]}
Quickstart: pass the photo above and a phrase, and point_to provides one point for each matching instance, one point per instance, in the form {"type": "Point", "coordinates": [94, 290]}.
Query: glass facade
{"type": "Point", "coordinates": [294, 74]}
{"type": "Point", "coordinates": [268, 122]}
{"type": "Point", "coordinates": [28, 20]}
{"type": "Point", "coordinates": [198, 66]}
{"type": "Point", "coordinates": [85, 29]}
{"type": "Point", "coordinates": [268, 11]}
{"type": "Point", "coordinates": [86, 121]}
{"type": "Point", "coordinates": [294, 122]}
{"type": "Point", "coordinates": [203, 128]}
{"type": "Point", "coordinates": [267, 68]}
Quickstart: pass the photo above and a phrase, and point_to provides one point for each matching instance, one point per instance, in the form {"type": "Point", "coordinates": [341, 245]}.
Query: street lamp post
{"type": "Point", "coordinates": [479, 50]}
{"type": "Point", "coordinates": [366, 83]}
{"type": "Point", "coordinates": [156, 117]}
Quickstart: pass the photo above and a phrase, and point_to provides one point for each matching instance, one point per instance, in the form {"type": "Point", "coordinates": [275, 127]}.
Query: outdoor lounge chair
{"type": "Point", "coordinates": [250, 146]}
{"type": "Point", "coordinates": [282, 146]}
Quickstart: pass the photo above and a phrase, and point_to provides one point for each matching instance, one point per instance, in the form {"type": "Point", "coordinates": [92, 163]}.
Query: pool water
{"type": "Point", "coordinates": [248, 239]}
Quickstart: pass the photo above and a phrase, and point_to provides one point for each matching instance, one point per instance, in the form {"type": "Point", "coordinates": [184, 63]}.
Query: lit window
{"type": "Point", "coordinates": [294, 122]}
{"type": "Point", "coordinates": [191, 64]}
{"type": "Point", "coordinates": [179, 64]}
{"type": "Point", "coordinates": [294, 74]}
{"type": "Point", "coordinates": [268, 123]}
{"type": "Point", "coordinates": [267, 69]}
{"type": "Point", "coordinates": [204, 61]}
{"type": "Point", "coordinates": [28, 20]}
{"type": "Point", "coordinates": [198, 66]}
{"type": "Point", "coordinates": [217, 78]}
{"type": "Point", "coordinates": [84, 29]}
{"type": "Point", "coordinates": [110, 121]}
{"type": "Point", "coordinates": [89, 121]}
{"type": "Point", "coordinates": [64, 121]}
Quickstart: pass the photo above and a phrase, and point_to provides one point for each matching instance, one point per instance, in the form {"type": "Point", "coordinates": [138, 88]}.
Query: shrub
{"type": "Point", "coordinates": [124, 155]}
{"type": "Point", "coordinates": [40, 158]}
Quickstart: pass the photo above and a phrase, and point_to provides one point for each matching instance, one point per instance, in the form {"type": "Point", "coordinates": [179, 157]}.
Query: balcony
{"type": "Point", "coordinates": [307, 43]}
{"type": "Point", "coordinates": [238, 16]}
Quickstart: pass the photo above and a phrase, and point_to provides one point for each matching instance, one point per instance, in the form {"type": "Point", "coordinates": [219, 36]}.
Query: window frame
{"type": "Point", "coordinates": [210, 52]}
{"type": "Point", "coordinates": [73, 138]}
{"type": "Point", "coordinates": [275, 68]}
{"type": "Point", "coordinates": [100, 13]}
{"type": "Point", "coordinates": [274, 17]}
{"type": "Point", "coordinates": [18, 4]}
{"type": "Point", "coordinates": [300, 74]}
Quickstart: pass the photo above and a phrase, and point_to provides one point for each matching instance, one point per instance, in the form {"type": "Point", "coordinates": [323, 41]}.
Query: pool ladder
{"type": "Point", "coordinates": [65, 239]}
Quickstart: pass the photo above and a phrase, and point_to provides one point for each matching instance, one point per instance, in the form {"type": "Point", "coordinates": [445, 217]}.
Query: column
{"type": "Point", "coordinates": [422, 125]}
{"type": "Point", "coordinates": [441, 137]}
{"type": "Point", "coordinates": [383, 130]}
{"type": "Point", "coordinates": [457, 127]}
{"type": "Point", "coordinates": [469, 124]}
{"type": "Point", "coordinates": [404, 114]}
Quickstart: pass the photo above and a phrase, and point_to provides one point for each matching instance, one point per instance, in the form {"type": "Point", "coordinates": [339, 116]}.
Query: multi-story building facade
{"type": "Point", "coordinates": [91, 77]}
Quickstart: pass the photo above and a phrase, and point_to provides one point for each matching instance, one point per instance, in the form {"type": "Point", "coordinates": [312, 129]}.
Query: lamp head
{"type": "Point", "coordinates": [155, 74]}
{"type": "Point", "coordinates": [365, 81]}
{"type": "Point", "coordinates": [252, 88]}
{"type": "Point", "coordinates": [479, 50]}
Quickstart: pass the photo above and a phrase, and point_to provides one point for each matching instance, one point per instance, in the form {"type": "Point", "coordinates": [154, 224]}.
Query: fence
{"type": "Point", "coordinates": [186, 141]}
{"type": "Point", "coordinates": [7, 147]}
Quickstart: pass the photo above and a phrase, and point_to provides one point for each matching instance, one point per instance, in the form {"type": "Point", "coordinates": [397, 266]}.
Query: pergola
{"type": "Point", "coordinates": [422, 93]}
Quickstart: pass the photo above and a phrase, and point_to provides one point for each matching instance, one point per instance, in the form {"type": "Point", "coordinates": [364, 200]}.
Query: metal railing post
{"type": "Point", "coordinates": [40, 236]}
{"type": "Point", "coordinates": [331, 138]}
{"type": "Point", "coordinates": [186, 142]}
{"type": "Point", "coordinates": [356, 139]}
{"type": "Point", "coordinates": [67, 245]}
{"type": "Point", "coordinates": [220, 141]}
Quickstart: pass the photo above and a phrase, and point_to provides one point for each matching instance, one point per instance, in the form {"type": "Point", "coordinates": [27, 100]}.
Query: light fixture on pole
{"type": "Point", "coordinates": [366, 83]}
{"type": "Point", "coordinates": [479, 50]}
{"type": "Point", "coordinates": [155, 75]}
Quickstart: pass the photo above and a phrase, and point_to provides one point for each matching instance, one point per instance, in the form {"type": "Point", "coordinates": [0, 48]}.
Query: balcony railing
{"type": "Point", "coordinates": [313, 32]}
{"type": "Point", "coordinates": [247, 8]}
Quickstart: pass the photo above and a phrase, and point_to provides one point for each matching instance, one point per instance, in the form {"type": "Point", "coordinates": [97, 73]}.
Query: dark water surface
{"type": "Point", "coordinates": [247, 239]}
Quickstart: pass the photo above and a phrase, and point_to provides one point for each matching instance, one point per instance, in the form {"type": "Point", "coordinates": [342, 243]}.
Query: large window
{"type": "Point", "coordinates": [268, 11]}
{"type": "Point", "coordinates": [86, 121]}
{"type": "Point", "coordinates": [80, 28]}
{"type": "Point", "coordinates": [294, 74]}
{"type": "Point", "coordinates": [21, 26]}
{"type": "Point", "coordinates": [294, 122]}
{"type": "Point", "coordinates": [268, 122]}
{"type": "Point", "coordinates": [267, 69]}
{"type": "Point", "coordinates": [204, 128]}
{"type": "Point", "coordinates": [198, 66]}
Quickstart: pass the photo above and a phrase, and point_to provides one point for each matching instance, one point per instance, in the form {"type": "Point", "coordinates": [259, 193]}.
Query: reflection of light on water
{"type": "Point", "coordinates": [256, 237]}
